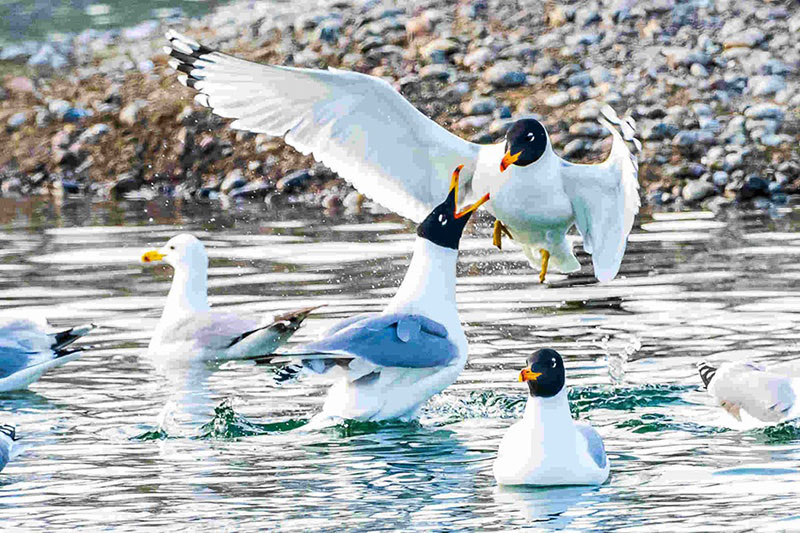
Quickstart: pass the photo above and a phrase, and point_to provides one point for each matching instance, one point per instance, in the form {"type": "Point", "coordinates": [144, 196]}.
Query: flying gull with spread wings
{"type": "Point", "coordinates": [364, 130]}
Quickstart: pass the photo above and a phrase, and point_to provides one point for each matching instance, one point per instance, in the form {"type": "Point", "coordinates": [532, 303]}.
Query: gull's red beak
{"type": "Point", "coordinates": [454, 187]}
{"type": "Point", "coordinates": [508, 160]}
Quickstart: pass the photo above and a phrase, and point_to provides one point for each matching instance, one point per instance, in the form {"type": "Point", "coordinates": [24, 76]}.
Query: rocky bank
{"type": "Point", "coordinates": [712, 84]}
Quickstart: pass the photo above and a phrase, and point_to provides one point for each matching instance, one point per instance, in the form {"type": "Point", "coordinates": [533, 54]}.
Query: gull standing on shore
{"type": "Point", "coordinates": [364, 130]}
{"type": "Point", "coordinates": [190, 330]}
{"type": "Point", "coordinates": [27, 351]}
{"type": "Point", "coordinates": [387, 364]}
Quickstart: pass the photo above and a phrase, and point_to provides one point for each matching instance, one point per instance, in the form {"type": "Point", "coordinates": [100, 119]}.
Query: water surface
{"type": "Point", "coordinates": [116, 440]}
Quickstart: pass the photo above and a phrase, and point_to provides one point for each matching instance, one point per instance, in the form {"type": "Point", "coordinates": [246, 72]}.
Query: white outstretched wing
{"type": "Point", "coordinates": [356, 124]}
{"type": "Point", "coordinates": [605, 199]}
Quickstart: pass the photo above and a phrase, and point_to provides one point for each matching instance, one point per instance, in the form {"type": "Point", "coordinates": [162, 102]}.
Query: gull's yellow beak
{"type": "Point", "coordinates": [454, 188]}
{"type": "Point", "coordinates": [527, 375]}
{"type": "Point", "coordinates": [508, 160]}
{"type": "Point", "coordinates": [152, 256]}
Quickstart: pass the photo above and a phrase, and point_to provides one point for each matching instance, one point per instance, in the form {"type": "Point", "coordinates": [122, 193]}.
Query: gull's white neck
{"type": "Point", "coordinates": [430, 283]}
{"type": "Point", "coordinates": [189, 291]}
{"type": "Point", "coordinates": [548, 413]}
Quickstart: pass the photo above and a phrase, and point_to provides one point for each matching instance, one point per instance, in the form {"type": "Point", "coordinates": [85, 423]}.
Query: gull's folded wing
{"type": "Point", "coordinates": [356, 124]}
{"type": "Point", "coordinates": [762, 394]}
{"type": "Point", "coordinates": [605, 200]}
{"type": "Point", "coordinates": [394, 340]}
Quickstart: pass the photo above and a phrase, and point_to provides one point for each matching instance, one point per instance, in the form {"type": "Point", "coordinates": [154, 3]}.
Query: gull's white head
{"type": "Point", "coordinates": [183, 251]}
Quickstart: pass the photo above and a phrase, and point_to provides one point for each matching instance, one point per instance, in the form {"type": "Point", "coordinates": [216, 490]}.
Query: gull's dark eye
{"type": "Point", "coordinates": [171, 247]}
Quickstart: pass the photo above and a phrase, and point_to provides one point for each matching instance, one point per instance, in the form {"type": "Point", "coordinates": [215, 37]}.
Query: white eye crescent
{"type": "Point", "coordinates": [442, 219]}
{"type": "Point", "coordinates": [554, 363]}
{"type": "Point", "coordinates": [531, 136]}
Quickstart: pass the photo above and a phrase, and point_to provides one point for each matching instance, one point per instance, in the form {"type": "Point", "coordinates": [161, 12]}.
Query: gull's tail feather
{"type": "Point", "coordinates": [707, 372]}
{"type": "Point", "coordinates": [9, 431]}
{"type": "Point", "coordinates": [263, 341]}
{"type": "Point", "coordinates": [62, 339]}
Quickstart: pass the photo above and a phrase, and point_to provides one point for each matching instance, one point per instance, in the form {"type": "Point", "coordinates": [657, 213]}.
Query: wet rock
{"type": "Point", "coordinates": [720, 178]}
{"type": "Point", "coordinates": [522, 51]}
{"type": "Point", "coordinates": [295, 180]}
{"type": "Point", "coordinates": [479, 106]}
{"type": "Point", "coordinates": [233, 180]}
{"type": "Point", "coordinates": [253, 190]}
{"type": "Point", "coordinates": [580, 79]}
{"type": "Point", "coordinates": [505, 74]}
{"type": "Point", "coordinates": [698, 190]}
{"type": "Point", "coordinates": [753, 187]}
{"type": "Point", "coordinates": [353, 201]}
{"type": "Point", "coordinates": [126, 183]}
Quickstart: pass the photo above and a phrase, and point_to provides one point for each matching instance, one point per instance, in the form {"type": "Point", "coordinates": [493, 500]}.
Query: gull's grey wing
{"type": "Point", "coordinates": [7, 435]}
{"type": "Point", "coordinates": [356, 124]}
{"type": "Point", "coordinates": [596, 449]}
{"type": "Point", "coordinates": [13, 360]}
{"type": "Point", "coordinates": [212, 330]}
{"type": "Point", "coordinates": [394, 340]}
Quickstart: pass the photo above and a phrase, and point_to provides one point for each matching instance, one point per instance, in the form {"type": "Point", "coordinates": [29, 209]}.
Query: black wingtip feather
{"type": "Point", "coordinates": [707, 373]}
{"type": "Point", "coordinates": [9, 430]}
{"type": "Point", "coordinates": [190, 82]}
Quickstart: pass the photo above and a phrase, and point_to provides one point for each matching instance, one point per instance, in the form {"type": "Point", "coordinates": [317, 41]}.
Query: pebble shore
{"type": "Point", "coordinates": [713, 85]}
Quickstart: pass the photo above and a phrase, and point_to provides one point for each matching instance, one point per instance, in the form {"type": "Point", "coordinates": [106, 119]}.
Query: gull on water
{"type": "Point", "coordinates": [386, 365]}
{"type": "Point", "coordinates": [753, 393]}
{"type": "Point", "coordinates": [7, 437]}
{"type": "Point", "coordinates": [27, 350]}
{"type": "Point", "coordinates": [190, 330]}
{"type": "Point", "coordinates": [547, 447]}
{"type": "Point", "coordinates": [364, 130]}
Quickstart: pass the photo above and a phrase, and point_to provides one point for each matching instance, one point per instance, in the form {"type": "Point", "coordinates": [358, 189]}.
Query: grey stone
{"type": "Point", "coordinates": [697, 190]}
{"type": "Point", "coordinates": [765, 85]}
{"type": "Point", "coordinates": [505, 74]}
{"type": "Point", "coordinates": [436, 71]}
{"type": "Point", "coordinates": [233, 180]}
{"type": "Point", "coordinates": [130, 114]}
{"type": "Point", "coordinates": [765, 111]}
{"type": "Point", "coordinates": [720, 178]}
{"type": "Point", "coordinates": [587, 129]}
{"type": "Point", "coordinates": [16, 121]}
{"type": "Point", "coordinates": [479, 106]}
{"type": "Point", "coordinates": [93, 133]}
{"type": "Point", "coordinates": [557, 100]}
{"type": "Point", "coordinates": [580, 79]}
{"type": "Point", "coordinates": [47, 56]}
{"type": "Point", "coordinates": [576, 147]}
{"type": "Point", "coordinates": [478, 58]}
{"type": "Point", "coordinates": [748, 38]}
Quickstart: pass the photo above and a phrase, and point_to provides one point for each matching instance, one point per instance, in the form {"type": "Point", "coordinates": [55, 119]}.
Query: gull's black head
{"type": "Point", "coordinates": [526, 142]}
{"type": "Point", "coordinates": [444, 225]}
{"type": "Point", "coordinates": [544, 374]}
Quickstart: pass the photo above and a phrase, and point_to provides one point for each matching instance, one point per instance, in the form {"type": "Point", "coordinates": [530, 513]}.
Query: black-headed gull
{"type": "Point", "coordinates": [547, 447]}
{"type": "Point", "coordinates": [363, 129]}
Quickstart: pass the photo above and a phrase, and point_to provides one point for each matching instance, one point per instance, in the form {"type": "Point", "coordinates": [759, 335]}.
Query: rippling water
{"type": "Point", "coordinates": [113, 439]}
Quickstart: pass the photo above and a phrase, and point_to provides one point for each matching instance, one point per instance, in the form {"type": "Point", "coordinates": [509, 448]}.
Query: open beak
{"type": "Point", "coordinates": [152, 256]}
{"type": "Point", "coordinates": [454, 187]}
{"type": "Point", "coordinates": [508, 160]}
{"type": "Point", "coordinates": [527, 375]}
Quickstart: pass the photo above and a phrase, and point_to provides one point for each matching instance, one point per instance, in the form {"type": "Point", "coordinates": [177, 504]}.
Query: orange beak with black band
{"type": "Point", "coordinates": [526, 374]}
{"type": "Point", "coordinates": [508, 160]}
{"type": "Point", "coordinates": [454, 188]}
